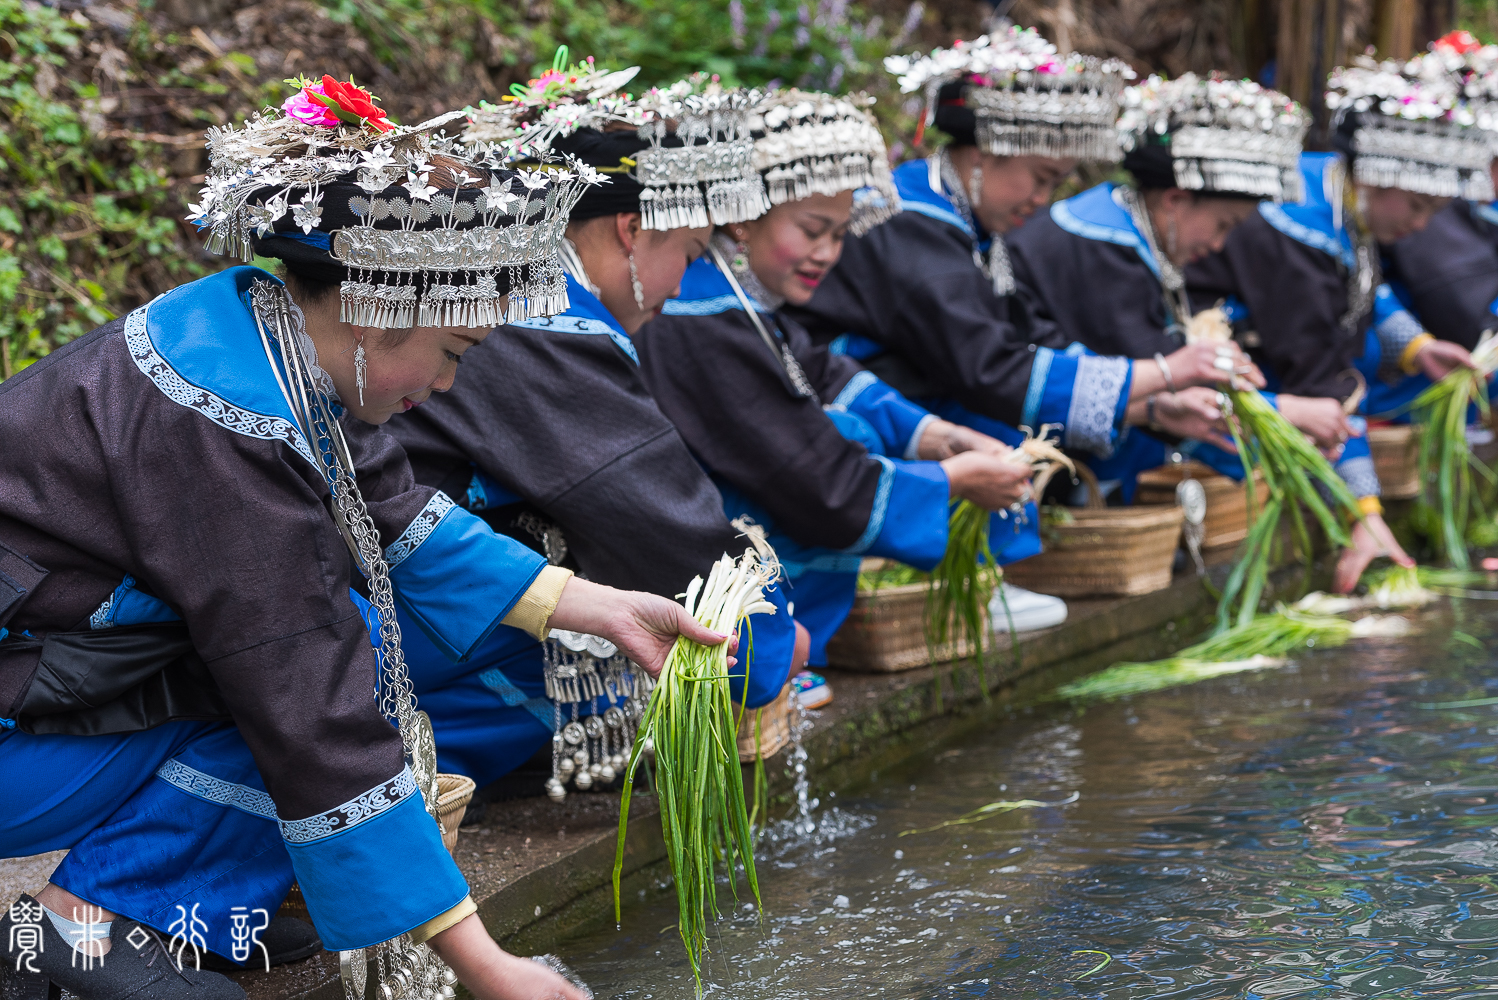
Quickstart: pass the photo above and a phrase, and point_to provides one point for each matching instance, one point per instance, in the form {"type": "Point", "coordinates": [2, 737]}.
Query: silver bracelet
{"type": "Point", "coordinates": [1165, 371]}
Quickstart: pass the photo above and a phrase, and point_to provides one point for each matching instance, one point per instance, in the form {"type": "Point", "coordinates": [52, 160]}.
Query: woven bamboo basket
{"type": "Point", "coordinates": [454, 792]}
{"type": "Point", "coordinates": [776, 723]}
{"type": "Point", "coordinates": [1104, 551]}
{"type": "Point", "coordinates": [1227, 501]}
{"type": "Point", "coordinates": [1396, 459]}
{"type": "Point", "coordinates": [885, 633]}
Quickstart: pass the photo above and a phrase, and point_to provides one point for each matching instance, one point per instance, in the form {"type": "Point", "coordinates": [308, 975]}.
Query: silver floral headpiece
{"type": "Point", "coordinates": [710, 178]}
{"type": "Point", "coordinates": [1414, 130]}
{"type": "Point", "coordinates": [1028, 98]}
{"type": "Point", "coordinates": [555, 104]}
{"type": "Point", "coordinates": [1224, 136]}
{"type": "Point", "coordinates": [813, 143]}
{"type": "Point", "coordinates": [478, 254]}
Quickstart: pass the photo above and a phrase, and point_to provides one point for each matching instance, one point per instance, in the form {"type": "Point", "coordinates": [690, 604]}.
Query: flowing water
{"type": "Point", "coordinates": [1321, 830]}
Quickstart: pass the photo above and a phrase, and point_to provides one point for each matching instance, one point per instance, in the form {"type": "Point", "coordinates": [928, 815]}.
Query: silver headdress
{"type": "Point", "coordinates": [554, 104]}
{"type": "Point", "coordinates": [1224, 136]}
{"type": "Point", "coordinates": [706, 175]}
{"type": "Point", "coordinates": [1476, 68]}
{"type": "Point", "coordinates": [1413, 130]}
{"type": "Point", "coordinates": [812, 143]}
{"type": "Point", "coordinates": [1029, 99]}
{"type": "Point", "coordinates": [476, 249]}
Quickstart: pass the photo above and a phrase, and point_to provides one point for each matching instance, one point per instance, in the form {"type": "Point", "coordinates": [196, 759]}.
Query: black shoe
{"type": "Point", "coordinates": [138, 967]}
{"type": "Point", "coordinates": [287, 939]}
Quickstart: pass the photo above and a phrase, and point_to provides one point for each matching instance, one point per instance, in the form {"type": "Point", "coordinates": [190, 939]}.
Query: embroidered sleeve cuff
{"type": "Point", "coordinates": [1412, 349]}
{"type": "Point", "coordinates": [532, 613]}
{"type": "Point", "coordinates": [443, 921]}
{"type": "Point", "coordinates": [913, 446]}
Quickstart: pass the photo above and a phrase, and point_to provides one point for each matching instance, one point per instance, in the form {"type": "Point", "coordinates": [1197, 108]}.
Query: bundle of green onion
{"type": "Point", "coordinates": [692, 725]}
{"type": "Point", "coordinates": [1445, 460]}
{"type": "Point", "coordinates": [1262, 642]}
{"type": "Point", "coordinates": [1292, 466]}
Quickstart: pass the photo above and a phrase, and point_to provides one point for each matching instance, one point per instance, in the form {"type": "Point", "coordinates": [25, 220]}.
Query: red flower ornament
{"type": "Point", "coordinates": [350, 104]}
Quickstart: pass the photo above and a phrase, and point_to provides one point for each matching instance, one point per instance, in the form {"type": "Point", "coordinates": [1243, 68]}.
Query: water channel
{"type": "Point", "coordinates": [1321, 830]}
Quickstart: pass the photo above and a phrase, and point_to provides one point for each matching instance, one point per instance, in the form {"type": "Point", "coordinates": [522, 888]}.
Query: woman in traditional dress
{"type": "Point", "coordinates": [927, 301]}
{"type": "Point", "coordinates": [835, 462]}
{"type": "Point", "coordinates": [553, 437]}
{"type": "Point", "coordinates": [1302, 282]}
{"type": "Point", "coordinates": [187, 685]}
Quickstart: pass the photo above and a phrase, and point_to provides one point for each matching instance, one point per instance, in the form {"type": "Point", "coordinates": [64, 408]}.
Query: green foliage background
{"type": "Point", "coordinates": [103, 106]}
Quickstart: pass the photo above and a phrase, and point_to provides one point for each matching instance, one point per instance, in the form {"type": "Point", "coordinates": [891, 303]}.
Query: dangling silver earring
{"type": "Point", "coordinates": [1170, 240]}
{"type": "Point", "coordinates": [975, 186]}
{"type": "Point", "coordinates": [359, 364]}
{"type": "Point", "coordinates": [634, 279]}
{"type": "Point", "coordinates": [740, 261]}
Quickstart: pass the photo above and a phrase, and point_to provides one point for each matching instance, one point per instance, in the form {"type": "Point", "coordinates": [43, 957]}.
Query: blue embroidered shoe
{"type": "Point", "coordinates": [39, 962]}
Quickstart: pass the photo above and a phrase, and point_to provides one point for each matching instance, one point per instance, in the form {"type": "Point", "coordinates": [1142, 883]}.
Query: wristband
{"type": "Point", "coordinates": [1407, 362]}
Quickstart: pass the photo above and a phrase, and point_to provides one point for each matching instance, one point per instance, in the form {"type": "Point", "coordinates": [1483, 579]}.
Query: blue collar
{"type": "Point", "coordinates": [1096, 214]}
{"type": "Point", "coordinates": [1487, 212]}
{"type": "Point", "coordinates": [913, 181]}
{"type": "Point", "coordinates": [1314, 221]}
{"type": "Point", "coordinates": [706, 292]}
{"type": "Point", "coordinates": [199, 345]}
{"type": "Point", "coordinates": [585, 314]}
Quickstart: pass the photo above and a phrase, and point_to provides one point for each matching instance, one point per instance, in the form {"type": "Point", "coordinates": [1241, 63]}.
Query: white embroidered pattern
{"type": "Point", "coordinates": [219, 410]}
{"type": "Point", "coordinates": [1094, 401]}
{"type": "Point", "coordinates": [217, 790]}
{"type": "Point", "coordinates": [421, 526]}
{"type": "Point", "coordinates": [103, 616]}
{"type": "Point", "coordinates": [381, 798]}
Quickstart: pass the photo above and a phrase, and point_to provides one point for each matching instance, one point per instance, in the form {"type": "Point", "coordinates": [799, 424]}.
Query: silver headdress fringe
{"type": "Point", "coordinates": [1416, 128]}
{"type": "Point", "coordinates": [1226, 136]}
{"type": "Point", "coordinates": [710, 179]}
{"type": "Point", "coordinates": [812, 143]}
{"type": "Point", "coordinates": [418, 255]}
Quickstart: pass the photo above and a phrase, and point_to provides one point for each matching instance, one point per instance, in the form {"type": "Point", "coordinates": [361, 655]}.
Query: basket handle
{"type": "Point", "coordinates": [1360, 389]}
{"type": "Point", "coordinates": [1095, 500]}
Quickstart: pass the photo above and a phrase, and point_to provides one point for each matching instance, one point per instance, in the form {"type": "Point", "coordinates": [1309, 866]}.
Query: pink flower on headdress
{"type": "Point", "coordinates": [305, 109]}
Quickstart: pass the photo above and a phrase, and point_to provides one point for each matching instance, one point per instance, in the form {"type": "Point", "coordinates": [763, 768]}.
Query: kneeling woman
{"type": "Point", "coordinates": [1302, 281]}
{"type": "Point", "coordinates": [553, 438]}
{"type": "Point", "coordinates": [186, 679]}
{"type": "Point", "coordinates": [837, 463]}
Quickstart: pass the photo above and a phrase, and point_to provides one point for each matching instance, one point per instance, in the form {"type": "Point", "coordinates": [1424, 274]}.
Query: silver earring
{"type": "Point", "coordinates": [975, 186]}
{"type": "Point", "coordinates": [634, 279]}
{"type": "Point", "coordinates": [359, 364]}
{"type": "Point", "coordinates": [740, 261]}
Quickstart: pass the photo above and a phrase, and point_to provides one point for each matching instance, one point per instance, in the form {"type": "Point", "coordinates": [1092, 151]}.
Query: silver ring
{"type": "Point", "coordinates": [1222, 400]}
{"type": "Point", "coordinates": [1223, 363]}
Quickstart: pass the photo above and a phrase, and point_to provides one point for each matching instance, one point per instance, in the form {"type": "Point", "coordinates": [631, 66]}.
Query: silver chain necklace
{"type": "Point", "coordinates": [1177, 304]}
{"type": "Point", "coordinates": [404, 970]}
{"type": "Point", "coordinates": [996, 264]}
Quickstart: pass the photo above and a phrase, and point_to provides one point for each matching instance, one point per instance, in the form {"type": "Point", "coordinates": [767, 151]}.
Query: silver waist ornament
{"type": "Point", "coordinates": [587, 751]}
{"type": "Point", "coordinates": [404, 970]}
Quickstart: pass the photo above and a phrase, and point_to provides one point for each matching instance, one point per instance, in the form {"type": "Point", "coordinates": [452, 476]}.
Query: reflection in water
{"type": "Point", "coordinates": [1303, 832]}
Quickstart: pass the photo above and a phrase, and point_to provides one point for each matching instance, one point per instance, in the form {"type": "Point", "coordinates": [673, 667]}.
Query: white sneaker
{"type": "Point", "coordinates": [1029, 610]}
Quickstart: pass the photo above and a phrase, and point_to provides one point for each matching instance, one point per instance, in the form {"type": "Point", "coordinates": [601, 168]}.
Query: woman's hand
{"type": "Point", "coordinates": [1371, 538]}
{"type": "Point", "coordinates": [1194, 413]}
{"type": "Point", "coordinates": [643, 626]}
{"type": "Point", "coordinates": [1205, 364]}
{"type": "Point", "coordinates": [989, 480]}
{"type": "Point", "coordinates": [491, 973]}
{"type": "Point", "coordinates": [1439, 358]}
{"type": "Point", "coordinates": [943, 439]}
{"type": "Point", "coordinates": [1319, 417]}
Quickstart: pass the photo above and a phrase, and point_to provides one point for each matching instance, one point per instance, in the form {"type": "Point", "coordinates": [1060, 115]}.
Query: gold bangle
{"type": "Point", "coordinates": [1407, 362]}
{"type": "Point", "coordinates": [1370, 506]}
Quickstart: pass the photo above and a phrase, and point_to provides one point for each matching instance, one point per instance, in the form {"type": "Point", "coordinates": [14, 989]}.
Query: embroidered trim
{"type": "Point", "coordinates": [222, 412]}
{"type": "Point", "coordinates": [1280, 219]}
{"type": "Point", "coordinates": [103, 616]}
{"type": "Point", "coordinates": [881, 506]}
{"type": "Point", "coordinates": [513, 697]}
{"type": "Point", "coordinates": [379, 799]}
{"type": "Point", "coordinates": [855, 388]}
{"type": "Point", "coordinates": [912, 451]}
{"type": "Point", "coordinates": [711, 306]}
{"type": "Point", "coordinates": [580, 324]}
{"type": "Point", "coordinates": [1094, 403]}
{"type": "Point", "coordinates": [1064, 217]}
{"type": "Point", "coordinates": [216, 790]}
{"type": "Point", "coordinates": [420, 528]}
{"type": "Point", "coordinates": [1360, 476]}
{"type": "Point", "coordinates": [1394, 335]}
{"type": "Point", "coordinates": [1040, 371]}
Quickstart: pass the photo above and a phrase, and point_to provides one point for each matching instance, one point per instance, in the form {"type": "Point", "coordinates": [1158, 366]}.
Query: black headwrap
{"type": "Point", "coordinates": [954, 117]}
{"type": "Point", "coordinates": [1150, 164]}
{"type": "Point", "coordinates": [607, 153]}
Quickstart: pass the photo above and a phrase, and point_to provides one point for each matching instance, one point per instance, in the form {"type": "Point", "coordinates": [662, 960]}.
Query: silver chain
{"type": "Point", "coordinates": [996, 265]}
{"type": "Point", "coordinates": [277, 317]}
{"type": "Point", "coordinates": [1171, 279]}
